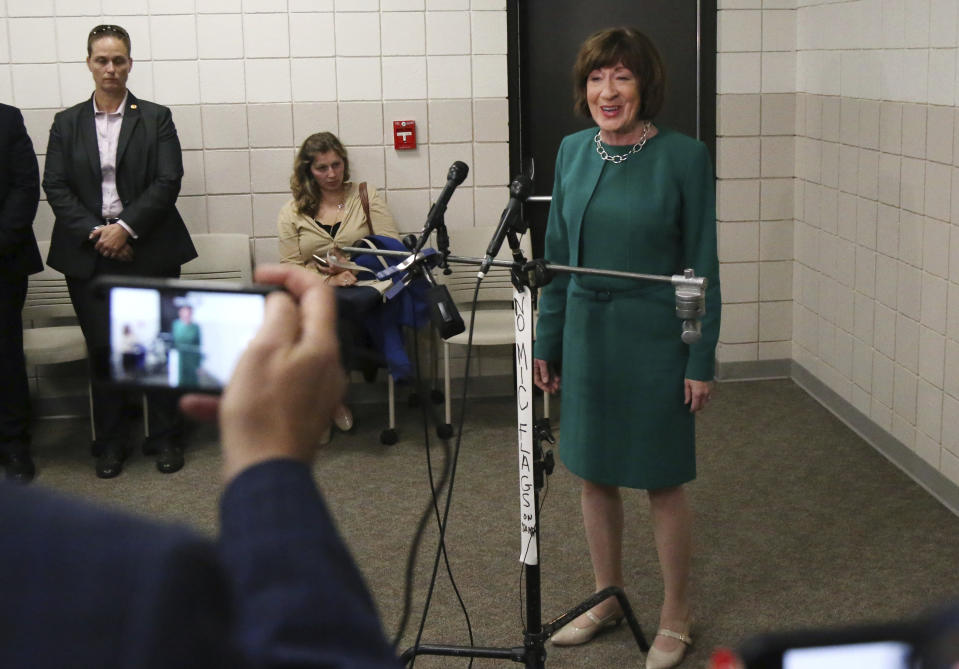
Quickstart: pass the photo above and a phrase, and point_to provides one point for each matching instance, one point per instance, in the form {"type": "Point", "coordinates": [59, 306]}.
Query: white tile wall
{"type": "Point", "coordinates": [313, 79]}
{"type": "Point", "coordinates": [404, 77]}
{"type": "Point", "coordinates": [219, 36]}
{"type": "Point", "coordinates": [870, 237]}
{"type": "Point", "coordinates": [312, 35]}
{"type": "Point", "coordinates": [358, 79]}
{"type": "Point", "coordinates": [222, 81]}
{"type": "Point", "coordinates": [403, 33]}
{"type": "Point", "coordinates": [250, 79]}
{"type": "Point", "coordinates": [357, 34]}
{"type": "Point", "coordinates": [173, 37]}
{"type": "Point", "coordinates": [447, 33]}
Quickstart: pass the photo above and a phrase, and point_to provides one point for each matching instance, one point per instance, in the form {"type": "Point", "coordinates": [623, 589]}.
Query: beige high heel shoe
{"type": "Point", "coordinates": [664, 659]}
{"type": "Point", "coordinates": [343, 418]}
{"type": "Point", "coordinates": [571, 635]}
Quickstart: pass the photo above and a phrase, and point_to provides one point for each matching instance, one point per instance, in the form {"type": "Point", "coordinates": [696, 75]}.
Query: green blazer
{"type": "Point", "coordinates": [682, 174]}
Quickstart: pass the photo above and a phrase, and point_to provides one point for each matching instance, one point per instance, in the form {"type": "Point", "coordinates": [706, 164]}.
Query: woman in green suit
{"type": "Point", "coordinates": [186, 340]}
{"type": "Point", "coordinates": [630, 196]}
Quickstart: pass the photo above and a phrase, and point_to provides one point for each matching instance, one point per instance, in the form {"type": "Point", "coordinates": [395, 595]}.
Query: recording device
{"type": "Point", "coordinates": [184, 336]}
{"type": "Point", "coordinates": [887, 646]}
{"type": "Point", "coordinates": [455, 176]}
{"type": "Point", "coordinates": [520, 189]}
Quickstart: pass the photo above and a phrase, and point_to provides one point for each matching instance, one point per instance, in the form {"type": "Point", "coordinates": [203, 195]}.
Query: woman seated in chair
{"type": "Point", "coordinates": [327, 212]}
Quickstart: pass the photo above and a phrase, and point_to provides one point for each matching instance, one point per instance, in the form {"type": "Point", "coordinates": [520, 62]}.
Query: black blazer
{"type": "Point", "coordinates": [149, 170]}
{"type": "Point", "coordinates": [19, 195]}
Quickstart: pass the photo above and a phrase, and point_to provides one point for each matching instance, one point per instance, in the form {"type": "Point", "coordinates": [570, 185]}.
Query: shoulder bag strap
{"type": "Point", "coordinates": [365, 201]}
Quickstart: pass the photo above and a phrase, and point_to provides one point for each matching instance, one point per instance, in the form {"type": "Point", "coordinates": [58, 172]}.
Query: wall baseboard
{"type": "Point", "coordinates": [753, 370]}
{"type": "Point", "coordinates": [891, 448]}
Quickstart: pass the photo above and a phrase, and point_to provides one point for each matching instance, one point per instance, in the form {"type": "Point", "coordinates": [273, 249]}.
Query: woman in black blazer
{"type": "Point", "coordinates": [112, 176]}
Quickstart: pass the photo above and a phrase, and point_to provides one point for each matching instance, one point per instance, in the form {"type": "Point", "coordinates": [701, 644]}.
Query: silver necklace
{"type": "Point", "coordinates": [621, 157]}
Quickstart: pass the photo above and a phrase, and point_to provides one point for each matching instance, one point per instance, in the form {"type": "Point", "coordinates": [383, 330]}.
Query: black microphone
{"type": "Point", "coordinates": [520, 189]}
{"type": "Point", "coordinates": [454, 178]}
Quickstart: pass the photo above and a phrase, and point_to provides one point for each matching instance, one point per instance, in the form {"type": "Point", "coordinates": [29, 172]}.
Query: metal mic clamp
{"type": "Point", "coordinates": [690, 304]}
{"type": "Point", "coordinates": [539, 272]}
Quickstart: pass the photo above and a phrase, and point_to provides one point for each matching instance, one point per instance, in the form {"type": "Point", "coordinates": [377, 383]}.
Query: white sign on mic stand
{"type": "Point", "coordinates": [523, 320]}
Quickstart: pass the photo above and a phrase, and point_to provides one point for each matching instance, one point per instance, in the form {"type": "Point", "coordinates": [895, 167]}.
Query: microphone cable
{"type": "Point", "coordinates": [441, 545]}
{"type": "Point", "coordinates": [446, 480]}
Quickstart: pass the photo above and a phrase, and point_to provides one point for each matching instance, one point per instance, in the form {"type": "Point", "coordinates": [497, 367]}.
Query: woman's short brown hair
{"type": "Point", "coordinates": [635, 51]}
{"type": "Point", "coordinates": [306, 192]}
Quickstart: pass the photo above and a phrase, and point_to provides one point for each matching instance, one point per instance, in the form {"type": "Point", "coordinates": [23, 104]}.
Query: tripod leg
{"type": "Point", "coordinates": [592, 601]}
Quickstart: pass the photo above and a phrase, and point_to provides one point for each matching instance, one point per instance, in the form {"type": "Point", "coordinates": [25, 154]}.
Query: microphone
{"type": "Point", "coordinates": [454, 178]}
{"type": "Point", "coordinates": [520, 189]}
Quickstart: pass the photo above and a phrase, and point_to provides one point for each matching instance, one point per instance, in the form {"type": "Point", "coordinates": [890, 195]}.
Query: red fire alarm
{"type": "Point", "coordinates": [404, 135]}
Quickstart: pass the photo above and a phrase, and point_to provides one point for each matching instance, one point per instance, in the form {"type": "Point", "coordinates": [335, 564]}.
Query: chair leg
{"type": "Point", "coordinates": [445, 431]}
{"type": "Point", "coordinates": [392, 400]}
{"type": "Point", "coordinates": [93, 424]}
{"type": "Point", "coordinates": [434, 368]}
{"type": "Point", "coordinates": [388, 437]}
{"type": "Point", "coordinates": [446, 382]}
{"type": "Point", "coordinates": [146, 416]}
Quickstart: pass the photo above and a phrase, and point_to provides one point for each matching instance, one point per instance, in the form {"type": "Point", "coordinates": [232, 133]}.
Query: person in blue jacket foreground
{"type": "Point", "coordinates": [87, 587]}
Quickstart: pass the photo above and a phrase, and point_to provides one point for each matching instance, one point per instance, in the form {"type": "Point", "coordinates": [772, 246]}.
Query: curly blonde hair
{"type": "Point", "coordinates": [306, 192]}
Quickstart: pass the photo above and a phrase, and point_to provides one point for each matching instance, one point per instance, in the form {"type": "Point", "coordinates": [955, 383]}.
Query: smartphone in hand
{"type": "Point", "coordinates": [182, 336]}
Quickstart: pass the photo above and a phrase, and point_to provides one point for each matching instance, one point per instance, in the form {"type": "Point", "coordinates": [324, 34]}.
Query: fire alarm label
{"type": "Point", "coordinates": [404, 135]}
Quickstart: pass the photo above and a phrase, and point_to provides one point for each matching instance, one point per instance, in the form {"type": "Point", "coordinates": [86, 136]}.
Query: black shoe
{"type": "Point", "coordinates": [20, 467]}
{"type": "Point", "coordinates": [169, 458]}
{"type": "Point", "coordinates": [110, 462]}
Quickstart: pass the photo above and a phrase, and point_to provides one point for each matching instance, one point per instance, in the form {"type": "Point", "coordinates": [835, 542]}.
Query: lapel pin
{"type": "Point", "coordinates": [133, 106]}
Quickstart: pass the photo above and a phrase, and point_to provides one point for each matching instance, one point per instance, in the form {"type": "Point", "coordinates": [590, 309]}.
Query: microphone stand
{"type": "Point", "coordinates": [535, 463]}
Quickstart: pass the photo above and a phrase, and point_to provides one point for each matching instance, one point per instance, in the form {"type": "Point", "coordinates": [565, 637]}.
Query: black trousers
{"type": "Point", "coordinates": [111, 418]}
{"type": "Point", "coordinates": [14, 391]}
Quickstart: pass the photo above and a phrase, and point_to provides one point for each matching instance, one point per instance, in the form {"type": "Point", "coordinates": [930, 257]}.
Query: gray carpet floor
{"type": "Point", "coordinates": [798, 523]}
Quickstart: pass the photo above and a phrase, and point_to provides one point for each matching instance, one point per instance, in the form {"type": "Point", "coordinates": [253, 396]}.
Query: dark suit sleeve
{"type": "Point", "coordinates": [20, 204]}
{"type": "Point", "coordinates": [70, 212]}
{"type": "Point", "coordinates": [84, 586]}
{"type": "Point", "coordinates": [153, 205]}
{"type": "Point", "coordinates": [301, 600]}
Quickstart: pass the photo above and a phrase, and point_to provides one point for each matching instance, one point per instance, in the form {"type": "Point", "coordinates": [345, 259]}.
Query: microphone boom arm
{"type": "Point", "coordinates": [690, 289]}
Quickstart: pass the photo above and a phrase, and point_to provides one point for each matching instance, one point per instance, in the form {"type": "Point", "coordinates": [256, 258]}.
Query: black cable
{"type": "Point", "coordinates": [452, 469]}
{"type": "Point", "coordinates": [434, 505]}
{"type": "Point", "coordinates": [442, 540]}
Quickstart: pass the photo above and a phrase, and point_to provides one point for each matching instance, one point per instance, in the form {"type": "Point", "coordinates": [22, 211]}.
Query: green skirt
{"type": "Point", "coordinates": [624, 421]}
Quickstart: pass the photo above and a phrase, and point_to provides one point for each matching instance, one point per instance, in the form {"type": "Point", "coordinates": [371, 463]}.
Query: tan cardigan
{"type": "Point", "coordinates": [300, 236]}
